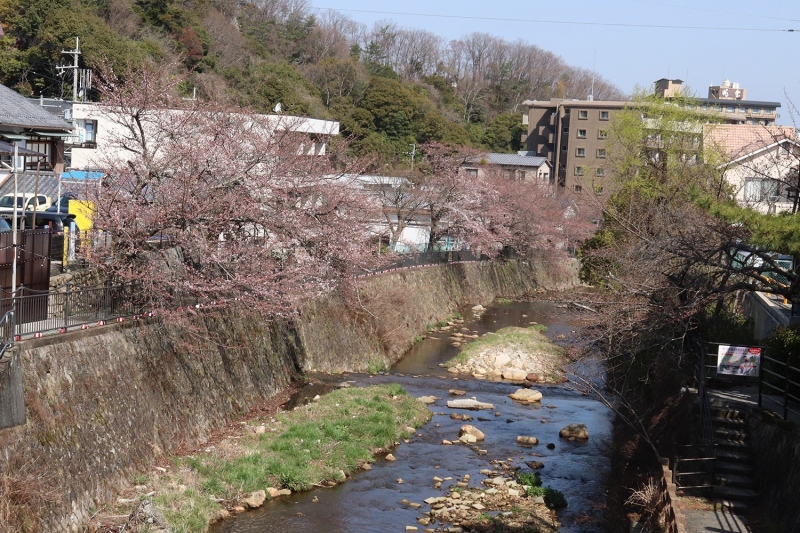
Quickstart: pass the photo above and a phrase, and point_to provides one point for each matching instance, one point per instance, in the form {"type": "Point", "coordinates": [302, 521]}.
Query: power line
{"type": "Point", "coordinates": [711, 10]}
{"type": "Point", "coordinates": [565, 22]}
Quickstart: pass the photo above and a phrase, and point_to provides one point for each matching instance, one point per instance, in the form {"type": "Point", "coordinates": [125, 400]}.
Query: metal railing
{"type": "Point", "coordinates": [783, 380]}
{"type": "Point", "coordinates": [40, 312]}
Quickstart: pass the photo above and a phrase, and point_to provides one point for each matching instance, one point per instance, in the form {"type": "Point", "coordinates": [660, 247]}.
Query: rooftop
{"type": "Point", "coordinates": [17, 112]}
{"type": "Point", "coordinates": [736, 140]}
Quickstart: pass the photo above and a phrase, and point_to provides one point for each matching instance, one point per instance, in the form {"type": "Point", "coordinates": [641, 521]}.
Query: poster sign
{"type": "Point", "coordinates": [738, 360]}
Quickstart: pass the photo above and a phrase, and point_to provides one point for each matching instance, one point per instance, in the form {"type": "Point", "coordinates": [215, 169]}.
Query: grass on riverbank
{"type": "Point", "coordinates": [530, 340]}
{"type": "Point", "coordinates": [321, 442]}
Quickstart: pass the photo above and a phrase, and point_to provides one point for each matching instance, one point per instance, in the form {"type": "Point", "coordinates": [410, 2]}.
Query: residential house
{"type": "Point", "coordinates": [37, 135]}
{"type": "Point", "coordinates": [522, 166]}
{"type": "Point", "coordinates": [761, 164]}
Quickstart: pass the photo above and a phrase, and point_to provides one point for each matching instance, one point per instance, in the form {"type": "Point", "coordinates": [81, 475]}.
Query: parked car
{"type": "Point", "coordinates": [24, 201]}
{"type": "Point", "coordinates": [62, 204]}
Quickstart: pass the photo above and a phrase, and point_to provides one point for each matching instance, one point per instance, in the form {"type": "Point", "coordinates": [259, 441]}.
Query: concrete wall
{"type": "Point", "coordinates": [766, 314]}
{"type": "Point", "coordinates": [105, 403]}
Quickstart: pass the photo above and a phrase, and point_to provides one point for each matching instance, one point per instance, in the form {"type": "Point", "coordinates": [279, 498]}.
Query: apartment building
{"type": "Point", "coordinates": [571, 135]}
{"type": "Point", "coordinates": [729, 100]}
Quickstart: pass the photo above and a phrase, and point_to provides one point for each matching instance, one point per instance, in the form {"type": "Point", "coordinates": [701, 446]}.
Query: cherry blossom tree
{"type": "Point", "coordinates": [203, 201]}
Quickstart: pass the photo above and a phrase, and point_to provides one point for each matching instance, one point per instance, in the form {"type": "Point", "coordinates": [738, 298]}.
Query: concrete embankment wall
{"type": "Point", "coordinates": [104, 404]}
{"type": "Point", "coordinates": [777, 471]}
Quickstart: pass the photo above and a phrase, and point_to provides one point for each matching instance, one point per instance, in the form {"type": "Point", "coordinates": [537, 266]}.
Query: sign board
{"type": "Point", "coordinates": [738, 360]}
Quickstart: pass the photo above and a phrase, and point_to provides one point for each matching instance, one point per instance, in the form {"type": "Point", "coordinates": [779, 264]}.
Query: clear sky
{"type": "Point", "coordinates": [628, 42]}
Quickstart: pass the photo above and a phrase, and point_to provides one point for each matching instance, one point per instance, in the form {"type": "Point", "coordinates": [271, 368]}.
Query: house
{"type": "Point", "coordinates": [37, 136]}
{"type": "Point", "coordinates": [761, 164]}
{"type": "Point", "coordinates": [522, 166]}
{"type": "Point", "coordinates": [94, 132]}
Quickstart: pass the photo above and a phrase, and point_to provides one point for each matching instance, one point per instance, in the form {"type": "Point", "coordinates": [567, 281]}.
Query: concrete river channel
{"type": "Point", "coordinates": [371, 501]}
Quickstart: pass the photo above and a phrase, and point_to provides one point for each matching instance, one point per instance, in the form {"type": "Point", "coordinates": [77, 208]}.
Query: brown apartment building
{"type": "Point", "coordinates": [572, 134]}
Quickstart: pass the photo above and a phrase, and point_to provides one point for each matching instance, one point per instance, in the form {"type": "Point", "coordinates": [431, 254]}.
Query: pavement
{"type": "Point", "coordinates": [721, 519]}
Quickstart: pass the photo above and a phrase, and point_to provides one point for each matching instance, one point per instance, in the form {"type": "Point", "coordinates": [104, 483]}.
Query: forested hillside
{"type": "Point", "coordinates": [388, 86]}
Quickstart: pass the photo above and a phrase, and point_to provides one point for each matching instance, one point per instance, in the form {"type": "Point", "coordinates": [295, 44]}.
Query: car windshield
{"type": "Point", "coordinates": [8, 201]}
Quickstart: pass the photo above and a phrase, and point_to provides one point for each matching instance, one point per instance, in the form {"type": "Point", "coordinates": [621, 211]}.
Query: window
{"type": "Point", "coordinates": [740, 110]}
{"type": "Point", "coordinates": [580, 152]}
{"type": "Point", "coordinates": [603, 115]}
{"type": "Point", "coordinates": [602, 134]}
{"type": "Point", "coordinates": [566, 129]}
{"type": "Point", "coordinates": [583, 114]}
{"type": "Point", "coordinates": [473, 172]}
{"type": "Point", "coordinates": [566, 111]}
{"type": "Point", "coordinates": [507, 173]}
{"type": "Point", "coordinates": [598, 189]}
{"type": "Point", "coordinates": [600, 172]}
{"type": "Point", "coordinates": [563, 147]}
{"type": "Point", "coordinates": [769, 111]}
{"type": "Point", "coordinates": [581, 134]}
{"type": "Point", "coordinates": [601, 153]}
{"type": "Point", "coordinates": [729, 109]}
{"type": "Point", "coordinates": [760, 190]}
{"type": "Point", "coordinates": [579, 171]}
{"type": "Point", "coordinates": [578, 188]}
{"type": "Point", "coordinates": [756, 111]}
{"type": "Point", "coordinates": [87, 131]}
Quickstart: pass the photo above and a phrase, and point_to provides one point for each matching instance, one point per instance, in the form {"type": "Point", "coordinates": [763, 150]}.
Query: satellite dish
{"type": "Point", "coordinates": [278, 107]}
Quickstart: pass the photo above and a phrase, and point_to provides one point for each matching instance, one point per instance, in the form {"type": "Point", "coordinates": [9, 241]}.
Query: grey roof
{"type": "Point", "coordinates": [48, 185]}
{"type": "Point", "coordinates": [16, 110]}
{"type": "Point", "coordinates": [517, 160]}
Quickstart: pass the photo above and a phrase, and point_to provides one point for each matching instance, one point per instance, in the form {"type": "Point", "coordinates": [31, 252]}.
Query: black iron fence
{"type": "Point", "coordinates": [66, 309]}
{"type": "Point", "coordinates": [779, 387]}
{"type": "Point", "coordinates": [409, 260]}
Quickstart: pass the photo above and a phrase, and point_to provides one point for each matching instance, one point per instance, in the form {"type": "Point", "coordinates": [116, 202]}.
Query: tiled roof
{"type": "Point", "coordinates": [516, 160]}
{"type": "Point", "coordinates": [16, 110]}
{"type": "Point", "coordinates": [736, 140]}
{"type": "Point", "coordinates": [48, 185]}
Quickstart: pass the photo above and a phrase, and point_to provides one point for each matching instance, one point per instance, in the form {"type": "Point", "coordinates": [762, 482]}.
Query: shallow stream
{"type": "Point", "coordinates": [370, 500]}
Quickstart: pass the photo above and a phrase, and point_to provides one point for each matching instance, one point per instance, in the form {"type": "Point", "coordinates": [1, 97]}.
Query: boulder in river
{"type": "Point", "coordinates": [524, 439]}
{"type": "Point", "coordinates": [469, 403]}
{"type": "Point", "coordinates": [514, 374]}
{"type": "Point", "coordinates": [574, 431]}
{"type": "Point", "coordinates": [467, 429]}
{"type": "Point", "coordinates": [526, 395]}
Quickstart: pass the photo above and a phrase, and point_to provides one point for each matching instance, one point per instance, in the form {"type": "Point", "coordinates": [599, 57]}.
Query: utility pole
{"type": "Point", "coordinates": [412, 153]}
{"type": "Point", "coordinates": [75, 53]}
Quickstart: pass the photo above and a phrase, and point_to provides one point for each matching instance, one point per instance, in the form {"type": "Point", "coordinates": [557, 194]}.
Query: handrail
{"type": "Point", "coordinates": [7, 323]}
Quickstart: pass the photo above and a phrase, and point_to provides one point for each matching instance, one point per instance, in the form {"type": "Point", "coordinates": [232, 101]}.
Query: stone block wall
{"type": "Point", "coordinates": [105, 403]}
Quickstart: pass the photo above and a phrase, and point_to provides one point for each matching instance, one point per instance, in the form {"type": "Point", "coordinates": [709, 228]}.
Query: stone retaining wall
{"type": "Point", "coordinates": [105, 403]}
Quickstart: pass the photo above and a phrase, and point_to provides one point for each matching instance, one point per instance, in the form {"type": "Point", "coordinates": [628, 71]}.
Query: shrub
{"type": "Point", "coordinates": [554, 498]}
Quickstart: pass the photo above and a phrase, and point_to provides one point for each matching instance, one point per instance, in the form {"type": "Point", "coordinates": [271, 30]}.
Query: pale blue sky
{"type": "Point", "coordinates": [700, 42]}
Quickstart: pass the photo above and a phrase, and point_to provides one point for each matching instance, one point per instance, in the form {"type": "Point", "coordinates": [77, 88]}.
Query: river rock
{"type": "Point", "coordinates": [389, 457]}
{"type": "Point", "coordinates": [457, 392]}
{"type": "Point", "coordinates": [471, 430]}
{"type": "Point", "coordinates": [524, 439]}
{"type": "Point", "coordinates": [478, 308]}
{"type": "Point", "coordinates": [284, 492]}
{"type": "Point", "coordinates": [255, 499]}
{"type": "Point", "coordinates": [534, 465]}
{"type": "Point", "coordinates": [500, 360]}
{"type": "Point", "coordinates": [447, 442]}
{"type": "Point", "coordinates": [526, 395]}
{"type": "Point", "coordinates": [366, 466]}
{"type": "Point", "coordinates": [459, 416]}
{"type": "Point", "coordinates": [574, 431]}
{"type": "Point", "coordinates": [532, 377]}
{"type": "Point", "coordinates": [468, 439]}
{"type": "Point", "coordinates": [427, 399]}
{"type": "Point", "coordinates": [470, 403]}
{"type": "Point", "coordinates": [273, 492]}
{"type": "Point", "coordinates": [514, 374]}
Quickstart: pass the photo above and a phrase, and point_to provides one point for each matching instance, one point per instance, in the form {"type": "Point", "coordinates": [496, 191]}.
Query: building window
{"type": "Point", "coordinates": [564, 148]}
{"type": "Point", "coordinates": [583, 114]}
{"type": "Point", "coordinates": [580, 152]}
{"type": "Point", "coordinates": [473, 172]}
{"type": "Point", "coordinates": [566, 129]}
{"type": "Point", "coordinates": [600, 172]}
{"type": "Point", "coordinates": [601, 153]}
{"type": "Point", "coordinates": [579, 171]}
{"type": "Point", "coordinates": [769, 111]}
{"type": "Point", "coordinates": [729, 109]}
{"type": "Point", "coordinates": [598, 189]}
{"type": "Point", "coordinates": [740, 110]}
{"type": "Point", "coordinates": [756, 111]}
{"type": "Point", "coordinates": [578, 188]}
{"type": "Point", "coordinates": [602, 134]}
{"type": "Point", "coordinates": [760, 189]}
{"type": "Point", "coordinates": [603, 115]}
{"type": "Point", "coordinates": [581, 134]}
{"type": "Point", "coordinates": [566, 111]}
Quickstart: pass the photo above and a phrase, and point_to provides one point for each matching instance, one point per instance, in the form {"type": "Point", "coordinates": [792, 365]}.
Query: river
{"type": "Point", "coordinates": [370, 501]}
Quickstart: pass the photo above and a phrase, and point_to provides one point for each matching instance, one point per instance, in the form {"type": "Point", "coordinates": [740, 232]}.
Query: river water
{"type": "Point", "coordinates": [370, 501]}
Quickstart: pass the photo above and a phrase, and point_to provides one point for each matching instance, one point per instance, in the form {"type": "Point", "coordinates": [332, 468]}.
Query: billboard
{"type": "Point", "coordinates": [738, 360]}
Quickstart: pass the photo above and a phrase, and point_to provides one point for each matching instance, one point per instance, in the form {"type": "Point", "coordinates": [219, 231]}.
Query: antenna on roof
{"type": "Point", "coordinates": [594, 64]}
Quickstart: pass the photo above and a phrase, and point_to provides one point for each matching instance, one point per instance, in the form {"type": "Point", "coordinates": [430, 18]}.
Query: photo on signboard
{"type": "Point", "coordinates": [738, 360]}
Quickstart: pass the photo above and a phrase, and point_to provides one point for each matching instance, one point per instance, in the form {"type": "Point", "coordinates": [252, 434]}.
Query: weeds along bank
{"type": "Point", "coordinates": [106, 403]}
